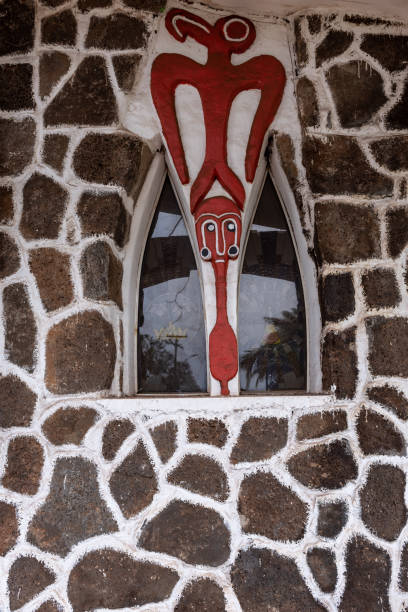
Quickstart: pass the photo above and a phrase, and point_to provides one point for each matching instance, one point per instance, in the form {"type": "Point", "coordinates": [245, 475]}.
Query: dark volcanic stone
{"type": "Point", "coordinates": [88, 5]}
{"type": "Point", "coordinates": [86, 99]}
{"type": "Point", "coordinates": [117, 31]}
{"type": "Point", "coordinates": [112, 579]}
{"type": "Point", "coordinates": [101, 273]}
{"type": "Point", "coordinates": [358, 92]}
{"type": "Point", "coordinates": [346, 233]}
{"type": "Point", "coordinates": [332, 518]}
{"type": "Point", "coordinates": [307, 101]}
{"type": "Point", "coordinates": [49, 606]}
{"type": "Point", "coordinates": [339, 363]}
{"type": "Point", "coordinates": [114, 435]}
{"type": "Point", "coordinates": [383, 509]}
{"type": "Point", "coordinates": [380, 288]}
{"type": "Point", "coordinates": [334, 44]}
{"type": "Point", "coordinates": [264, 581]}
{"type": "Point", "coordinates": [268, 508]}
{"type": "Point", "coordinates": [391, 152]}
{"type": "Point", "coordinates": [337, 296]}
{"type": "Point", "coordinates": [69, 425]}
{"type": "Point", "coordinates": [133, 484]}
{"type": "Point", "coordinates": [59, 29]}
{"type": "Point", "coordinates": [189, 532]}
{"type": "Point", "coordinates": [165, 439]}
{"type": "Point", "coordinates": [6, 204]}
{"type": "Point", "coordinates": [368, 577]}
{"type": "Point", "coordinates": [17, 402]}
{"type": "Point", "coordinates": [202, 595]}
{"type": "Point", "coordinates": [80, 354]}
{"type": "Point", "coordinates": [52, 271]}
{"type": "Point", "coordinates": [27, 578]}
{"type": "Point", "coordinates": [44, 207]}
{"type": "Point", "coordinates": [321, 424]}
{"type": "Point", "coordinates": [8, 527]}
{"type": "Point", "coordinates": [201, 475]}
{"type": "Point", "coordinates": [17, 139]}
{"type": "Point", "coordinates": [362, 20]}
{"type": "Point", "coordinates": [53, 65]}
{"type": "Point", "coordinates": [9, 256]}
{"type": "Point", "coordinates": [16, 87]}
{"type": "Point", "coordinates": [155, 6]}
{"type": "Point", "coordinates": [390, 51]}
{"type": "Point", "coordinates": [55, 148]}
{"type": "Point", "coordinates": [322, 563]}
{"type": "Point", "coordinates": [324, 466]}
{"type": "Point", "coordinates": [111, 159]}
{"type": "Point", "coordinates": [16, 26]}
{"type": "Point", "coordinates": [73, 510]}
{"type": "Point", "coordinates": [391, 398]}
{"type": "Point", "coordinates": [315, 23]}
{"type": "Point", "coordinates": [103, 213]}
{"type": "Point", "coordinates": [20, 326]}
{"type": "Point", "coordinates": [397, 230]}
{"type": "Point", "coordinates": [207, 431]}
{"type": "Point", "coordinates": [403, 573]}
{"type": "Point", "coordinates": [388, 346]}
{"type": "Point", "coordinates": [328, 168]}
{"type": "Point", "coordinates": [378, 436]}
{"type": "Point", "coordinates": [260, 438]}
{"type": "Point", "coordinates": [125, 67]}
{"type": "Point", "coordinates": [25, 458]}
{"type": "Point", "coordinates": [300, 44]}
{"type": "Point", "coordinates": [397, 118]}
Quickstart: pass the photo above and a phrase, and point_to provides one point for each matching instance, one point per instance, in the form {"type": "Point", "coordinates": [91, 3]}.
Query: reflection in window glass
{"type": "Point", "coordinates": [171, 342]}
{"type": "Point", "coordinates": [272, 339]}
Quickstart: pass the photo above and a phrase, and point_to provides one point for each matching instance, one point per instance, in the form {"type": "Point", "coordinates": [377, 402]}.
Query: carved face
{"type": "Point", "coordinates": [218, 230]}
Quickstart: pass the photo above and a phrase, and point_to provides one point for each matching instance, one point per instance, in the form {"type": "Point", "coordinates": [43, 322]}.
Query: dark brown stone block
{"type": "Point", "coordinates": [112, 579]}
{"type": "Point", "coordinates": [53, 3]}
{"type": "Point", "coordinates": [397, 118]}
{"type": "Point", "coordinates": [133, 484]}
{"type": "Point", "coordinates": [117, 31]}
{"type": "Point", "coordinates": [49, 606]}
{"type": "Point", "coordinates": [9, 256]}
{"type": "Point", "coordinates": [207, 431]}
{"type": "Point", "coordinates": [362, 20]}
{"type": "Point", "coordinates": [20, 327]}
{"type": "Point", "coordinates": [154, 6]}
{"type": "Point", "coordinates": [391, 152]}
{"type": "Point", "coordinates": [27, 578]}
{"type": "Point", "coordinates": [69, 425]}
{"type": "Point", "coordinates": [383, 509]}
{"type": "Point", "coordinates": [315, 23]}
{"type": "Point", "coordinates": [80, 354]}
{"type": "Point", "coordinates": [388, 346]}
{"type": "Point", "coordinates": [390, 398]}
{"type": "Point", "coordinates": [52, 272]}
{"type": "Point", "coordinates": [16, 87]}
{"type": "Point", "coordinates": [44, 207]}
{"type": "Point", "coordinates": [380, 288]}
{"type": "Point", "coordinates": [324, 466]}
{"type": "Point", "coordinates": [25, 458]}
{"type": "Point", "coordinates": [334, 44]}
{"type": "Point", "coordinates": [201, 475]}
{"type": "Point", "coordinates": [321, 424]}
{"type": "Point", "coordinates": [103, 213]}
{"type": "Point", "coordinates": [125, 70]}
{"type": "Point", "coordinates": [73, 510]}
{"type": "Point", "coordinates": [332, 518]}
{"type": "Point", "coordinates": [16, 26]}
{"type": "Point", "coordinates": [378, 436]}
{"type": "Point", "coordinates": [390, 51]}
{"type": "Point", "coordinates": [17, 145]}
{"type": "Point", "coordinates": [328, 168]}
{"type": "Point", "coordinates": [368, 577]}
{"type": "Point", "coordinates": [114, 435]}
{"type": "Point", "coordinates": [339, 363]}
{"type": "Point", "coordinates": [300, 44]}
{"type": "Point", "coordinates": [59, 29]}
{"type": "Point", "coordinates": [403, 573]}
{"type": "Point", "coordinates": [397, 230]}
{"type": "Point", "coordinates": [268, 508]}
{"type": "Point", "coordinates": [17, 402]}
{"type": "Point", "coordinates": [260, 438]}
{"type": "Point", "coordinates": [202, 595]}
{"type": "Point", "coordinates": [53, 65]}
{"type": "Point", "coordinates": [101, 273]}
{"type": "Point", "coordinates": [194, 534]}
{"type": "Point", "coordinates": [337, 296]}
{"type": "Point", "coordinates": [8, 527]}
{"type": "Point", "coordinates": [86, 99]}
{"type": "Point", "coordinates": [322, 563]}
{"type": "Point", "coordinates": [264, 580]}
{"type": "Point", "coordinates": [358, 92]}
{"type": "Point", "coordinates": [6, 204]}
{"type": "Point", "coordinates": [111, 159]}
{"type": "Point", "coordinates": [307, 101]}
{"type": "Point", "coordinates": [165, 439]}
{"type": "Point", "coordinates": [88, 5]}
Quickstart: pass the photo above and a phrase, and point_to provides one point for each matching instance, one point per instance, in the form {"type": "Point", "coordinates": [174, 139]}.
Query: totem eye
{"type": "Point", "coordinates": [231, 226]}
{"type": "Point", "coordinates": [233, 251]}
{"type": "Point", "coordinates": [211, 227]}
{"type": "Point", "coordinates": [205, 253]}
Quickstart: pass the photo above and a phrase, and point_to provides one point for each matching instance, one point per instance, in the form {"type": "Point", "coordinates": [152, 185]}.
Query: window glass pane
{"type": "Point", "coordinates": [271, 325]}
{"type": "Point", "coordinates": [171, 341]}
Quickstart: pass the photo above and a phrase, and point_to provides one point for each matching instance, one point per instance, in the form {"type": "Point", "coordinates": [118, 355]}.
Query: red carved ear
{"type": "Point", "coordinates": [181, 23]}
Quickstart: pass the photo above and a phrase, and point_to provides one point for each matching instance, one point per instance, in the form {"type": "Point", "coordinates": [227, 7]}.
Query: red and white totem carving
{"type": "Point", "coordinates": [217, 219]}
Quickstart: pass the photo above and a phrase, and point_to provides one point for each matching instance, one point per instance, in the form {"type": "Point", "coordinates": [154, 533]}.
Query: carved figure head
{"type": "Point", "coordinates": [218, 229]}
